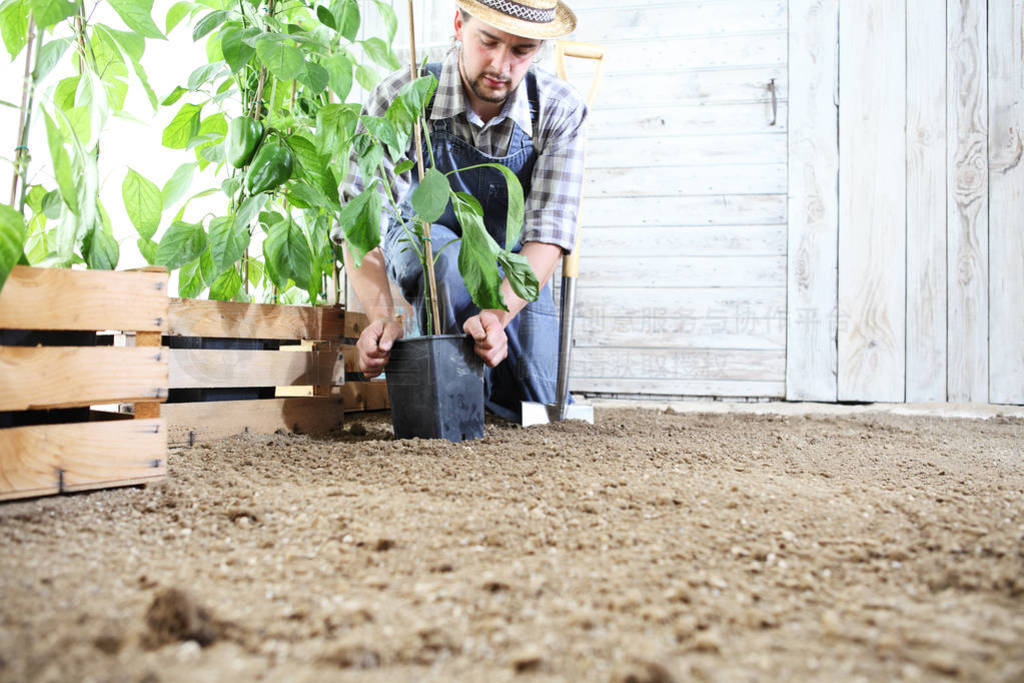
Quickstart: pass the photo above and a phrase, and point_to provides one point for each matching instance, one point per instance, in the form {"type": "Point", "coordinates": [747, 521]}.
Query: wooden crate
{"type": "Point", "coordinates": [360, 394]}
{"type": "Point", "coordinates": [307, 371]}
{"type": "Point", "coordinates": [51, 441]}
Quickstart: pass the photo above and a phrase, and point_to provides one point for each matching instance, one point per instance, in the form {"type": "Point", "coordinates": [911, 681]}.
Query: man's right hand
{"type": "Point", "coordinates": [374, 345]}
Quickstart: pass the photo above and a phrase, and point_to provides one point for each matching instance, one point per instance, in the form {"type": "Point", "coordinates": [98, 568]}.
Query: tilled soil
{"type": "Point", "coordinates": [649, 547]}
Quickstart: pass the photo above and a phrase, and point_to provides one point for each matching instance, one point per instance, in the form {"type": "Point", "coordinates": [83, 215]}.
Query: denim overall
{"type": "Point", "coordinates": [529, 371]}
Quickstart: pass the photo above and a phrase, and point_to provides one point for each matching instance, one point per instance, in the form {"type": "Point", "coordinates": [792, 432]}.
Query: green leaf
{"type": "Point", "coordinates": [249, 210]}
{"type": "Point", "coordinates": [430, 198]}
{"type": "Point", "coordinates": [335, 125]}
{"type": "Point", "coordinates": [14, 25]}
{"type": "Point", "coordinates": [380, 128]}
{"type": "Point", "coordinates": [136, 14]}
{"type": "Point", "coordinates": [226, 286]}
{"type": "Point", "coordinates": [477, 258]}
{"type": "Point", "coordinates": [64, 93]}
{"type": "Point", "coordinates": [190, 280]}
{"type": "Point", "coordinates": [178, 184]}
{"type": "Point", "coordinates": [316, 77]}
{"type": "Point", "coordinates": [49, 12]}
{"type": "Point", "coordinates": [284, 61]}
{"type": "Point", "coordinates": [378, 51]}
{"type": "Point", "coordinates": [346, 14]}
{"type": "Point", "coordinates": [305, 196]}
{"type": "Point", "coordinates": [339, 75]}
{"type": "Point", "coordinates": [178, 11]}
{"type": "Point", "coordinates": [51, 204]}
{"type": "Point", "coordinates": [416, 94]}
{"type": "Point", "coordinates": [236, 52]}
{"type": "Point", "coordinates": [100, 249]}
{"type": "Point", "coordinates": [360, 219]}
{"type": "Point", "coordinates": [61, 165]}
{"type": "Point", "coordinates": [131, 44]}
{"type": "Point", "coordinates": [403, 124]}
{"type": "Point", "coordinates": [49, 55]}
{"type": "Point", "coordinates": [404, 166]}
{"type": "Point", "coordinates": [12, 240]}
{"type": "Point", "coordinates": [326, 18]}
{"type": "Point", "coordinates": [514, 216]}
{"type": "Point", "coordinates": [142, 202]}
{"type": "Point", "coordinates": [390, 20]}
{"type": "Point", "coordinates": [208, 23]}
{"type": "Point", "coordinates": [174, 96]}
{"type": "Point", "coordinates": [370, 155]}
{"type": "Point", "coordinates": [367, 77]}
{"type": "Point", "coordinates": [204, 74]}
{"type": "Point", "coordinates": [183, 127]}
{"type": "Point", "coordinates": [314, 166]}
{"type": "Point", "coordinates": [288, 251]}
{"type": "Point", "coordinates": [147, 248]}
{"type": "Point", "coordinates": [182, 243]}
{"type": "Point", "coordinates": [228, 242]}
{"type": "Point", "coordinates": [520, 275]}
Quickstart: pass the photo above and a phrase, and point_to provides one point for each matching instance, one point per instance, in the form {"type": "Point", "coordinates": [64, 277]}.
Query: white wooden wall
{"type": "Point", "coordinates": [927, 209]}
{"type": "Point", "coordinates": [682, 286]}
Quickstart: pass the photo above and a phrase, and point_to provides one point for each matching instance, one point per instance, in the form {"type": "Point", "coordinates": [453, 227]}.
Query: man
{"type": "Point", "coordinates": [490, 106]}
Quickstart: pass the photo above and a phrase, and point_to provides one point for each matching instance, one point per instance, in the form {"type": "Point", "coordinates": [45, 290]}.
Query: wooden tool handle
{"type": "Point", "coordinates": [571, 262]}
{"type": "Point", "coordinates": [572, 48]}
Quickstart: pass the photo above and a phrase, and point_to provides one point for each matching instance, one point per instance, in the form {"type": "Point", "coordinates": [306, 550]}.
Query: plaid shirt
{"type": "Point", "coordinates": [553, 202]}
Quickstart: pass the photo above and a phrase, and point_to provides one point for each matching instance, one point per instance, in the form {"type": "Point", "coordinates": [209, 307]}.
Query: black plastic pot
{"type": "Point", "coordinates": [436, 388]}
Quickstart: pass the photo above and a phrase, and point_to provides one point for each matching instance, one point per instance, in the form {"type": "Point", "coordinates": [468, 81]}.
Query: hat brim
{"type": "Point", "coordinates": [563, 24]}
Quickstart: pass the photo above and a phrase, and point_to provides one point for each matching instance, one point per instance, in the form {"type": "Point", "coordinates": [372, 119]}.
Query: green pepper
{"type": "Point", "coordinates": [244, 135]}
{"type": "Point", "coordinates": [271, 167]}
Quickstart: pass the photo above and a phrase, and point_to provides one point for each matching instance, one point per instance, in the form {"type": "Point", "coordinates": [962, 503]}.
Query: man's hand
{"type": "Point", "coordinates": [489, 334]}
{"type": "Point", "coordinates": [374, 346]}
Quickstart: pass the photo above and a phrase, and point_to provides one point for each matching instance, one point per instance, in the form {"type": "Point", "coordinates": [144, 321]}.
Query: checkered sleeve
{"type": "Point", "coordinates": [553, 204]}
{"type": "Point", "coordinates": [377, 104]}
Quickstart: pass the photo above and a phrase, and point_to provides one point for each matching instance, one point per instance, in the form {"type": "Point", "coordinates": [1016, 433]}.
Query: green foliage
{"type": "Point", "coordinates": [12, 239]}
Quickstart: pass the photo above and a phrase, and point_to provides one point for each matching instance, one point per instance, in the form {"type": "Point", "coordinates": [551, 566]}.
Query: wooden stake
{"type": "Point", "coordinates": [25, 118]}
{"type": "Point", "coordinates": [428, 246]}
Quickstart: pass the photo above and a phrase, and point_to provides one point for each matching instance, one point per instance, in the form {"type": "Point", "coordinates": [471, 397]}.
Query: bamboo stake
{"type": "Point", "coordinates": [428, 269]}
{"type": "Point", "coordinates": [24, 119]}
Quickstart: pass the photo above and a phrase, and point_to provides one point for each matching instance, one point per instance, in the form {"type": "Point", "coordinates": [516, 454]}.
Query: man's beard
{"type": "Point", "coordinates": [477, 86]}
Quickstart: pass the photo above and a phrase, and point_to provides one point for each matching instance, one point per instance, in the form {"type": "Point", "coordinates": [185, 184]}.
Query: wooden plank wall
{"type": "Point", "coordinates": [811, 362]}
{"type": "Point", "coordinates": [682, 287]}
{"type": "Point", "coordinates": [931, 234]}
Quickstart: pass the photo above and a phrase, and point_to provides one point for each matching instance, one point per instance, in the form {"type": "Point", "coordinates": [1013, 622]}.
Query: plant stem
{"type": "Point", "coordinates": [428, 246]}
{"type": "Point", "coordinates": [24, 119]}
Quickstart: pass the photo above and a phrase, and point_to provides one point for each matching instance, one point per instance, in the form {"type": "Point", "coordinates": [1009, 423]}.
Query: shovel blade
{"type": "Point", "coordinates": [546, 413]}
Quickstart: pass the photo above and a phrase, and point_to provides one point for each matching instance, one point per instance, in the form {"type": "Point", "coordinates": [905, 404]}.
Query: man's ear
{"type": "Point", "coordinates": [458, 24]}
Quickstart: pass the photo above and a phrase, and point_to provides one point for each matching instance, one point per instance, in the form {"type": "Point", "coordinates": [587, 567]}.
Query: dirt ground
{"type": "Point", "coordinates": [650, 547]}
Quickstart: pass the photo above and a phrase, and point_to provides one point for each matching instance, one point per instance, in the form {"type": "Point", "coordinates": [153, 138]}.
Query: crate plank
{"type": "Point", "coordinates": [66, 377]}
{"type": "Point", "coordinates": [47, 459]}
{"type": "Point", "coordinates": [212, 368]}
{"type": "Point", "coordinates": [61, 299]}
{"type": "Point", "coordinates": [363, 396]}
{"type": "Point", "coordinates": [233, 319]}
{"type": "Point", "coordinates": [195, 422]}
{"type": "Point", "coordinates": [355, 323]}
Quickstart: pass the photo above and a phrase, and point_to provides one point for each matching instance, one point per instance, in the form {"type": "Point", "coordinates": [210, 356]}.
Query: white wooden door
{"type": "Point", "coordinates": [682, 288]}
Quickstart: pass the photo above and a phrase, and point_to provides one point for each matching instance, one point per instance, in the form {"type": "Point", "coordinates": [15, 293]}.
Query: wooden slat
{"type": "Point", "coordinates": [967, 205]}
{"type": "Point", "coordinates": [675, 148]}
{"type": "Point", "coordinates": [606, 123]}
{"type": "Point", "coordinates": [47, 459]}
{"type": "Point", "coordinates": [872, 201]}
{"type": "Point", "coordinates": [645, 181]}
{"type": "Point", "coordinates": [676, 210]}
{"type": "Point", "coordinates": [768, 47]}
{"type": "Point", "coordinates": [679, 19]}
{"type": "Point", "coordinates": [690, 240]}
{"type": "Point", "coordinates": [1006, 199]}
{"type": "Point", "coordinates": [363, 396]}
{"type": "Point", "coordinates": [61, 299]}
{"type": "Point", "coordinates": [683, 318]}
{"type": "Point", "coordinates": [351, 355]}
{"type": "Point", "coordinates": [147, 410]}
{"type": "Point", "coordinates": [685, 271]}
{"type": "Point", "coordinates": [679, 364]}
{"type": "Point", "coordinates": [926, 201]}
{"type": "Point", "coordinates": [210, 368]}
{"type": "Point", "coordinates": [682, 86]}
{"type": "Point", "coordinates": [355, 323]}
{"type": "Point", "coordinates": [232, 319]}
{"type": "Point", "coordinates": [189, 423]}
{"type": "Point", "coordinates": [648, 388]}
{"type": "Point", "coordinates": [65, 376]}
{"type": "Point", "coordinates": [811, 353]}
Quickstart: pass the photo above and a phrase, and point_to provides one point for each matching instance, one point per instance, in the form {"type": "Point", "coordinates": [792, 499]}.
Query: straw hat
{"type": "Point", "coordinates": [524, 18]}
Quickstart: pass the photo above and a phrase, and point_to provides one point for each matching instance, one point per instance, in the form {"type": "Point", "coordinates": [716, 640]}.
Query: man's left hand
{"type": "Point", "coordinates": [489, 334]}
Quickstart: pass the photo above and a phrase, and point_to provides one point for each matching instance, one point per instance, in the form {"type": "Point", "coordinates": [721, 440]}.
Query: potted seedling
{"type": "Point", "coordinates": [435, 381]}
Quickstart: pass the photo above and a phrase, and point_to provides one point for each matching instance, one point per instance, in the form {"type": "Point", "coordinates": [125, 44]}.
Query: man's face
{"type": "Point", "coordinates": [492, 62]}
